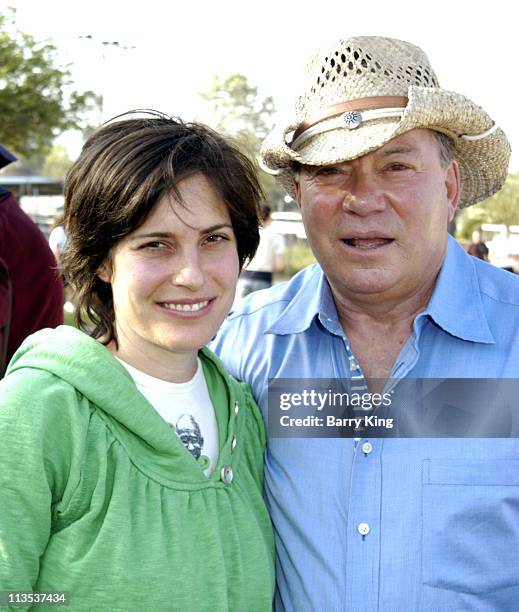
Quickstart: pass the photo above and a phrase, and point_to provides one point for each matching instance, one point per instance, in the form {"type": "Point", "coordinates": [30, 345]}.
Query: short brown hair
{"type": "Point", "coordinates": [125, 167]}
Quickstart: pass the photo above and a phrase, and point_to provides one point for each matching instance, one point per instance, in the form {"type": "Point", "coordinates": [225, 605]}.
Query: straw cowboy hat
{"type": "Point", "coordinates": [362, 92]}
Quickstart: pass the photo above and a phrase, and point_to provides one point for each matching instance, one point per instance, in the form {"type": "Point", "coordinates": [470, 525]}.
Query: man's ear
{"type": "Point", "coordinates": [297, 189]}
{"type": "Point", "coordinates": [453, 186]}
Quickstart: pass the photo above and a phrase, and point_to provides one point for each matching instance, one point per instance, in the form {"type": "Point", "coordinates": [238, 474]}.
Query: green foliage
{"type": "Point", "coordinates": [501, 208]}
{"type": "Point", "coordinates": [239, 112]}
{"type": "Point", "coordinates": [297, 256]}
{"type": "Point", "coordinates": [57, 163]}
{"type": "Point", "coordinates": [36, 97]}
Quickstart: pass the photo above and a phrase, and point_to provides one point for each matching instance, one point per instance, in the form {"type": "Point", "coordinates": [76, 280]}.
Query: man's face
{"type": "Point", "coordinates": [378, 224]}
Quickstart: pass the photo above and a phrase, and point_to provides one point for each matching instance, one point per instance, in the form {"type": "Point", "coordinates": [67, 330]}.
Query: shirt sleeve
{"type": "Point", "coordinates": [224, 345]}
{"type": "Point", "coordinates": [40, 433]}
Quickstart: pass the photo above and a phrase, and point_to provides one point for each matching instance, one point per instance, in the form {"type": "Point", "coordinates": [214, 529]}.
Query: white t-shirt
{"type": "Point", "coordinates": [271, 244]}
{"type": "Point", "coordinates": [187, 408]}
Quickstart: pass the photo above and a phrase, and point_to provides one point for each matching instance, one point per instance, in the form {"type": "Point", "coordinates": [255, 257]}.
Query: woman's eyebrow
{"type": "Point", "coordinates": [205, 230]}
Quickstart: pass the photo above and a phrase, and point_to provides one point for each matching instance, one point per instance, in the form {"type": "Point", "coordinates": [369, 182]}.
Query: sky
{"type": "Point", "coordinates": [169, 51]}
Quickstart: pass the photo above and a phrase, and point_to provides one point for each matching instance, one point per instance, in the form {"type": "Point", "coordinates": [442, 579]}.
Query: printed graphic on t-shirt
{"type": "Point", "coordinates": [189, 432]}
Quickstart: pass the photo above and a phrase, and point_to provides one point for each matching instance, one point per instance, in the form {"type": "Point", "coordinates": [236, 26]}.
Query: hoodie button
{"type": "Point", "coordinates": [227, 475]}
{"type": "Point", "coordinates": [236, 408]}
{"type": "Point", "coordinates": [233, 443]}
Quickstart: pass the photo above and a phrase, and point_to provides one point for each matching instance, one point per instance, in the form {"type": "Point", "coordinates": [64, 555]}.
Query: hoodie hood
{"type": "Point", "coordinates": [91, 369]}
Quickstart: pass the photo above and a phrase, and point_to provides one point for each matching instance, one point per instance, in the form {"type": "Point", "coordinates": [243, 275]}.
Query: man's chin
{"type": "Point", "coordinates": [374, 282]}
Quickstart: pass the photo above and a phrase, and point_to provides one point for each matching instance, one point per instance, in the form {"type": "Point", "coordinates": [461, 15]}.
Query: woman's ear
{"type": "Point", "coordinates": [104, 272]}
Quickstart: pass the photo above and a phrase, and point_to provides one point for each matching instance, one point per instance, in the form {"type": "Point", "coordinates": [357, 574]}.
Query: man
{"type": "Point", "coordinates": [31, 291]}
{"type": "Point", "coordinates": [378, 158]}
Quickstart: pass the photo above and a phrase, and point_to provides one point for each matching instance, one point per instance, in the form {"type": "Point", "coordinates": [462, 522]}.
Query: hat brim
{"type": "Point", "coordinates": [483, 162]}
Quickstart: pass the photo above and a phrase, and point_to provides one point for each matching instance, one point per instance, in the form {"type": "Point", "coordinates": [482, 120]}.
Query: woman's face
{"type": "Point", "coordinates": [174, 278]}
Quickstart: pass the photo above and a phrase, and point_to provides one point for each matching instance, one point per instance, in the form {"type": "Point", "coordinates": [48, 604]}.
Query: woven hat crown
{"type": "Point", "coordinates": [332, 121]}
{"type": "Point", "coordinates": [362, 67]}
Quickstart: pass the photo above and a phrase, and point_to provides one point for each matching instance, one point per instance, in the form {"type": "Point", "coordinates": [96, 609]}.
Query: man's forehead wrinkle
{"type": "Point", "coordinates": [396, 149]}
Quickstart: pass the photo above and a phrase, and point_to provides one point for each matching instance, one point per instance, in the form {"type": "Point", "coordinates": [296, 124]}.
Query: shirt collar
{"type": "Point", "coordinates": [456, 304]}
{"type": "Point", "coordinates": [313, 298]}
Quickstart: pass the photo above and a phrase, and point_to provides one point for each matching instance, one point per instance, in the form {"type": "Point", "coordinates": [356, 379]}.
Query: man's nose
{"type": "Point", "coordinates": [363, 196]}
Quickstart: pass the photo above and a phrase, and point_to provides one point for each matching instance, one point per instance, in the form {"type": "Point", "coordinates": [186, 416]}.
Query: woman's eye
{"type": "Point", "coordinates": [216, 238]}
{"type": "Point", "coordinates": [153, 245]}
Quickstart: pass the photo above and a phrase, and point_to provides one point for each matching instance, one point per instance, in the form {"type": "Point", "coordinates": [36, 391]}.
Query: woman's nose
{"type": "Point", "coordinates": [189, 274]}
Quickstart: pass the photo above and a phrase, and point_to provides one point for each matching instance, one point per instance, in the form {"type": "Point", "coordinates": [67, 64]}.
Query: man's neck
{"type": "Point", "coordinates": [378, 329]}
{"type": "Point", "coordinates": [371, 311]}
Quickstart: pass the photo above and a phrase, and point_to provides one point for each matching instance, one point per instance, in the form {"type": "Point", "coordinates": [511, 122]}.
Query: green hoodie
{"type": "Point", "coordinates": [100, 498]}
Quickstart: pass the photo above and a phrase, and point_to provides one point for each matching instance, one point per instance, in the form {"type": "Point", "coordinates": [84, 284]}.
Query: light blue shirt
{"type": "Point", "coordinates": [397, 524]}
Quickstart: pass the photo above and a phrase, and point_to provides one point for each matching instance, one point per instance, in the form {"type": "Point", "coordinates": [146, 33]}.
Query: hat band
{"type": "Point", "coordinates": [352, 114]}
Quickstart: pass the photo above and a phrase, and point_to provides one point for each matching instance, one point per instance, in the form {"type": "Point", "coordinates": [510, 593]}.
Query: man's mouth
{"type": "Point", "coordinates": [367, 243]}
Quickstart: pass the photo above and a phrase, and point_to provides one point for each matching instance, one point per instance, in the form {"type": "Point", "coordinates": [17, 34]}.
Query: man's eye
{"type": "Point", "coordinates": [327, 171]}
{"type": "Point", "coordinates": [398, 167]}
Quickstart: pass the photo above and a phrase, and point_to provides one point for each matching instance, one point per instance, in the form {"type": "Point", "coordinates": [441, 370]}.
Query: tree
{"type": "Point", "coordinates": [501, 208]}
{"type": "Point", "coordinates": [37, 101]}
{"type": "Point", "coordinates": [57, 163]}
{"type": "Point", "coordinates": [238, 111]}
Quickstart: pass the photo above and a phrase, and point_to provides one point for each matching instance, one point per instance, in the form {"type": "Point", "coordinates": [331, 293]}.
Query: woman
{"type": "Point", "coordinates": [131, 462]}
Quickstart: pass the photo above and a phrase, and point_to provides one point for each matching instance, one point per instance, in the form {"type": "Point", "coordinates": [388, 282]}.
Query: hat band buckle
{"type": "Point", "coordinates": [350, 120]}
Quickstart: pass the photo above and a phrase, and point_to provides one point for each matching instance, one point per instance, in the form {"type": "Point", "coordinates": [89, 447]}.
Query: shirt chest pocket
{"type": "Point", "coordinates": [470, 524]}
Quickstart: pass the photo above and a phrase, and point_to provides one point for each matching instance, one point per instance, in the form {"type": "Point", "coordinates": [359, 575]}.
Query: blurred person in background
{"type": "Point", "coordinates": [57, 244]}
{"type": "Point", "coordinates": [477, 248]}
{"type": "Point", "coordinates": [131, 462]}
{"type": "Point", "coordinates": [504, 250]}
{"type": "Point", "coordinates": [269, 258]}
{"type": "Point", "coordinates": [31, 291]}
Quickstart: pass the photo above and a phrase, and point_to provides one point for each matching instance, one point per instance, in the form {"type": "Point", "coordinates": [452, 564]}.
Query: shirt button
{"type": "Point", "coordinates": [367, 447]}
{"type": "Point", "coordinates": [226, 474]}
{"type": "Point", "coordinates": [203, 461]}
{"type": "Point", "coordinates": [363, 529]}
{"type": "Point", "coordinates": [236, 408]}
{"type": "Point", "coordinates": [233, 443]}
